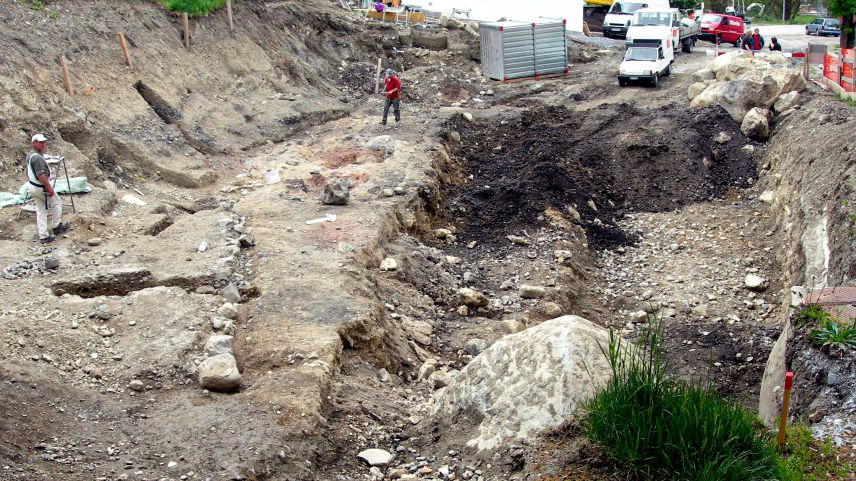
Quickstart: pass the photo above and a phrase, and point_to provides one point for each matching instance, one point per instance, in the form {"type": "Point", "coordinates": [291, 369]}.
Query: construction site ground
{"type": "Point", "coordinates": [98, 358]}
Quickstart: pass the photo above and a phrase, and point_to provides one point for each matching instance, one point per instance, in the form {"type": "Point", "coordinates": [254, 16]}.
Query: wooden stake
{"type": "Point", "coordinates": [185, 25]}
{"type": "Point", "coordinates": [125, 50]}
{"type": "Point", "coordinates": [229, 13]}
{"type": "Point", "coordinates": [783, 417]}
{"type": "Point", "coordinates": [377, 77]}
{"type": "Point", "coordinates": [65, 81]}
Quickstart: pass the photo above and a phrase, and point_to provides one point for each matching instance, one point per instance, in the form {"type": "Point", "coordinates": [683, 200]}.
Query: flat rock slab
{"type": "Point", "coordinates": [376, 457]}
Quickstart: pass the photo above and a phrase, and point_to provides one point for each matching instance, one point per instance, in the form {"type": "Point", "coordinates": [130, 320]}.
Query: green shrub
{"type": "Point", "coordinates": [36, 5]}
{"type": "Point", "coordinates": [833, 333]}
{"type": "Point", "coordinates": [809, 315]}
{"type": "Point", "coordinates": [193, 8]}
{"type": "Point", "coordinates": [653, 426]}
{"type": "Point", "coordinates": [829, 332]}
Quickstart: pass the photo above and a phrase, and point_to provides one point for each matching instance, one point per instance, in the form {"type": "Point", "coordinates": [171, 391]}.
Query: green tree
{"type": "Point", "coordinates": [683, 4]}
{"type": "Point", "coordinates": [845, 9]}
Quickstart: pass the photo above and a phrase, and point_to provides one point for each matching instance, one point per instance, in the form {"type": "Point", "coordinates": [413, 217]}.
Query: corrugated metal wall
{"type": "Point", "coordinates": [516, 49]}
{"type": "Point", "coordinates": [551, 48]}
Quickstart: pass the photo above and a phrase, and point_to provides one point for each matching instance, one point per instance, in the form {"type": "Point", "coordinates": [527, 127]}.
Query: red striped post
{"type": "Point", "coordinates": [783, 418]}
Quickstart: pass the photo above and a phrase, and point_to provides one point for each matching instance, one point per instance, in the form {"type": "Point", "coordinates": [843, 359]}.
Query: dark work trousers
{"type": "Point", "coordinates": [396, 107]}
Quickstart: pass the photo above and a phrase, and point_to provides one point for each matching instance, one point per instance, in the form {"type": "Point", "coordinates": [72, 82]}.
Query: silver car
{"type": "Point", "coordinates": [823, 26]}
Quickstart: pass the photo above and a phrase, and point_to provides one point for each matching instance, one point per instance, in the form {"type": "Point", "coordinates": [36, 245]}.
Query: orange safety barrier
{"type": "Point", "coordinates": [830, 68]}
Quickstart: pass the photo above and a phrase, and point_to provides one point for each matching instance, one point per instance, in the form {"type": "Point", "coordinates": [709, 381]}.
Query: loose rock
{"type": "Point", "coordinates": [472, 298]}
{"type": "Point", "coordinates": [532, 292]}
{"type": "Point", "coordinates": [376, 457]}
{"type": "Point", "coordinates": [389, 264]}
{"type": "Point", "coordinates": [220, 373]}
{"type": "Point", "coordinates": [336, 192]}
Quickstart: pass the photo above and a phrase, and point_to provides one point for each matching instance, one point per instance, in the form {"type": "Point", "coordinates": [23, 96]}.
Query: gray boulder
{"type": "Point", "coordinates": [231, 294]}
{"type": "Point", "coordinates": [336, 192]}
{"type": "Point", "coordinates": [220, 373]}
{"type": "Point", "coordinates": [786, 101]}
{"type": "Point", "coordinates": [218, 344]}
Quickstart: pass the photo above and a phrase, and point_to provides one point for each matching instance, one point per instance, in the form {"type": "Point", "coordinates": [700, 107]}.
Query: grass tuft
{"type": "Point", "coordinates": [193, 8]}
{"type": "Point", "coordinates": [810, 460]}
{"type": "Point", "coordinates": [656, 427]}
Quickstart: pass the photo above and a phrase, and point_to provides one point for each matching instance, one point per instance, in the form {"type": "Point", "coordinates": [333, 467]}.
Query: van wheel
{"type": "Point", "coordinates": [718, 40]}
{"type": "Point", "coordinates": [655, 80]}
{"type": "Point", "coordinates": [622, 83]}
{"type": "Point", "coordinates": [668, 71]}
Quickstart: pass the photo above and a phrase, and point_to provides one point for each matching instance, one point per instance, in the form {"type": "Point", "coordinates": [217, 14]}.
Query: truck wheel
{"type": "Point", "coordinates": [688, 45]}
{"type": "Point", "coordinates": [655, 80]}
{"type": "Point", "coordinates": [668, 71]}
{"type": "Point", "coordinates": [622, 83]}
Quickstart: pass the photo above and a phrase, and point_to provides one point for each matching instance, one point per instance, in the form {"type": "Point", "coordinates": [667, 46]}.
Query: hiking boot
{"type": "Point", "coordinates": [47, 240]}
{"type": "Point", "coordinates": [62, 227]}
{"type": "Point", "coordinates": [383, 123]}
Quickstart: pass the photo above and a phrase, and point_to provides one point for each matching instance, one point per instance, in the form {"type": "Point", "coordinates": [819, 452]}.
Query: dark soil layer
{"type": "Point", "coordinates": [621, 158]}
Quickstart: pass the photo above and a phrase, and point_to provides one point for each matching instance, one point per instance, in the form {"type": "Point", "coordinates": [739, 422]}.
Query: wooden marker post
{"type": "Point", "coordinates": [65, 81]}
{"type": "Point", "coordinates": [125, 50]}
{"type": "Point", "coordinates": [783, 417]}
{"type": "Point", "coordinates": [377, 77]}
{"type": "Point", "coordinates": [185, 25]}
{"type": "Point", "coordinates": [229, 13]}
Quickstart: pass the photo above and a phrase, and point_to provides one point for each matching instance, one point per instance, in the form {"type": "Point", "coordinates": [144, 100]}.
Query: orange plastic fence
{"type": "Point", "coordinates": [830, 67]}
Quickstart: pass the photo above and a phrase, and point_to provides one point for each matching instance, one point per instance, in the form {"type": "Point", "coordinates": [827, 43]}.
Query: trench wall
{"type": "Point", "coordinates": [807, 175]}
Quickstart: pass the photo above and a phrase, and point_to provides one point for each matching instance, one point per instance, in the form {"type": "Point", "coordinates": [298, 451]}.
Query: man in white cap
{"type": "Point", "coordinates": [40, 189]}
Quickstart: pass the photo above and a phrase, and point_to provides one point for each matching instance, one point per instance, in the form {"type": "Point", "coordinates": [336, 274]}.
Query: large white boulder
{"type": "Point", "coordinates": [526, 382]}
{"type": "Point", "coordinates": [738, 96]}
{"type": "Point", "coordinates": [786, 79]}
{"type": "Point", "coordinates": [723, 62]}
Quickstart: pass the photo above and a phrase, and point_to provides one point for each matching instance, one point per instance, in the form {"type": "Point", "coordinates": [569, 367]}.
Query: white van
{"type": "Point", "coordinates": [620, 15]}
{"type": "Point", "coordinates": [647, 61]}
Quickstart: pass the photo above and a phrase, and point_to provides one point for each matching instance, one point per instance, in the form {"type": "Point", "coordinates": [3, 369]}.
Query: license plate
{"type": "Point", "coordinates": [634, 78]}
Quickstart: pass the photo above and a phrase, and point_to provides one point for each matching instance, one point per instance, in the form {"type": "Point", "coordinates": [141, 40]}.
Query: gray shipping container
{"type": "Point", "coordinates": [523, 49]}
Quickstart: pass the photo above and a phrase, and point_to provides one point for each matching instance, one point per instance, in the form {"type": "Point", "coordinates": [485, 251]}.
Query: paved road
{"type": "Point", "coordinates": [792, 37]}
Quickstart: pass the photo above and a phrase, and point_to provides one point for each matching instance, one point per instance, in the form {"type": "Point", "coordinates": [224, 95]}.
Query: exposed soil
{"type": "Point", "coordinates": [620, 158]}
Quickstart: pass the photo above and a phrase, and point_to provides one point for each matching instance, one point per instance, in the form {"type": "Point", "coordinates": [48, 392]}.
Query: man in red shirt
{"type": "Point", "coordinates": [392, 87]}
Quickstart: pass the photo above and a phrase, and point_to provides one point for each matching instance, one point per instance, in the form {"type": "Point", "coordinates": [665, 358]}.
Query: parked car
{"type": "Point", "coordinates": [721, 28]}
{"type": "Point", "coordinates": [647, 61]}
{"type": "Point", "coordinates": [823, 26]}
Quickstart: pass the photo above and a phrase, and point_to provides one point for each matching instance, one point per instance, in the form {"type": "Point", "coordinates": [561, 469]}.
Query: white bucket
{"type": "Point", "coordinates": [271, 176]}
